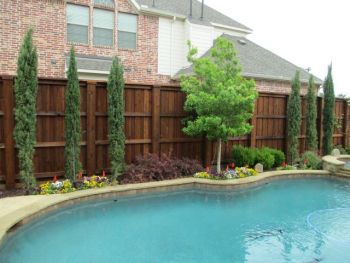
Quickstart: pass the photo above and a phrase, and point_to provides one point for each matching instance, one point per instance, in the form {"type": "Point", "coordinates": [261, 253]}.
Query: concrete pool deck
{"type": "Point", "coordinates": [15, 211]}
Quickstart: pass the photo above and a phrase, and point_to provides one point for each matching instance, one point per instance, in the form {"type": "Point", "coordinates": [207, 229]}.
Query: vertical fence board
{"type": "Point", "coordinates": [91, 124]}
{"type": "Point", "coordinates": [156, 120]}
{"type": "Point", "coordinates": [8, 91]}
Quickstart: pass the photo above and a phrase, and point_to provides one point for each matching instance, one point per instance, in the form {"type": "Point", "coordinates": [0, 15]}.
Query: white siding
{"type": "Point", "coordinates": [201, 37]}
{"type": "Point", "coordinates": [172, 42]}
{"type": "Point", "coordinates": [171, 46]}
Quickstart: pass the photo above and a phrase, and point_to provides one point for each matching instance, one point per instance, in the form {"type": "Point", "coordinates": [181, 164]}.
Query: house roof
{"type": "Point", "coordinates": [92, 63]}
{"type": "Point", "coordinates": [182, 7]}
{"type": "Point", "coordinates": [258, 62]}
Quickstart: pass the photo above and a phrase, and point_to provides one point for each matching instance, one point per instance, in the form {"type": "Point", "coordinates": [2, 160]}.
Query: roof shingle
{"type": "Point", "coordinates": [258, 62]}
{"type": "Point", "coordinates": [182, 7]}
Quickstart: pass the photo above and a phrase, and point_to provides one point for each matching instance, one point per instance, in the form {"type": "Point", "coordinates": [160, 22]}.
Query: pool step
{"type": "Point", "coordinates": [344, 172]}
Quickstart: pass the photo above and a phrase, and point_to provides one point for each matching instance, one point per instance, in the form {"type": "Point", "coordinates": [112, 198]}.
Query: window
{"type": "Point", "coordinates": [77, 24]}
{"type": "Point", "coordinates": [127, 30]}
{"type": "Point", "coordinates": [105, 2]}
{"type": "Point", "coordinates": [103, 27]}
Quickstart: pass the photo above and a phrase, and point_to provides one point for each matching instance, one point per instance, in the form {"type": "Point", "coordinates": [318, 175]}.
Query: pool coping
{"type": "Point", "coordinates": [26, 208]}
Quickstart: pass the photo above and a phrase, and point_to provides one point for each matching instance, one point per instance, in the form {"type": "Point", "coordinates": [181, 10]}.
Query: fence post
{"type": "Point", "coordinates": [320, 124]}
{"type": "Point", "coordinates": [346, 125]}
{"type": "Point", "coordinates": [156, 120]}
{"type": "Point", "coordinates": [9, 123]}
{"type": "Point", "coordinates": [90, 130]}
{"type": "Point", "coordinates": [253, 123]}
{"type": "Point", "coordinates": [286, 146]}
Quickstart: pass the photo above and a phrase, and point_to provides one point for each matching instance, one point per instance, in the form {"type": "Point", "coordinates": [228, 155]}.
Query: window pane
{"type": "Point", "coordinates": [103, 37]}
{"type": "Point", "coordinates": [78, 15]}
{"type": "Point", "coordinates": [77, 33]}
{"type": "Point", "coordinates": [103, 19]}
{"type": "Point", "coordinates": [127, 22]}
{"type": "Point", "coordinates": [126, 40]}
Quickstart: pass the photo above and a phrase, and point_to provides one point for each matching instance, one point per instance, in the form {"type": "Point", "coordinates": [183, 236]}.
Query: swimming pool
{"type": "Point", "coordinates": [289, 220]}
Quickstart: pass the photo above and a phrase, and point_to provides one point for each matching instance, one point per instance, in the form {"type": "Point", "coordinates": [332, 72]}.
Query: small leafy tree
{"type": "Point", "coordinates": [294, 119]}
{"type": "Point", "coordinates": [328, 112]}
{"type": "Point", "coordinates": [220, 98]}
{"type": "Point", "coordinates": [26, 89]}
{"type": "Point", "coordinates": [116, 136]}
{"type": "Point", "coordinates": [311, 116]}
{"type": "Point", "coordinates": [72, 121]}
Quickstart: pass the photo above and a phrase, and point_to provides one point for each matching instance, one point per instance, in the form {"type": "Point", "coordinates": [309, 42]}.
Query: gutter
{"type": "Point", "coordinates": [153, 11]}
{"type": "Point", "coordinates": [247, 31]}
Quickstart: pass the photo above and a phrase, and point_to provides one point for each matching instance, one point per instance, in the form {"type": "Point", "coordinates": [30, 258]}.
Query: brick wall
{"type": "Point", "coordinates": [275, 86]}
{"type": "Point", "coordinates": [48, 17]}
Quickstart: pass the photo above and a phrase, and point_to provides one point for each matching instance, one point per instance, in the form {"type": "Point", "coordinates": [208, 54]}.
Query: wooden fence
{"type": "Point", "coordinates": [153, 125]}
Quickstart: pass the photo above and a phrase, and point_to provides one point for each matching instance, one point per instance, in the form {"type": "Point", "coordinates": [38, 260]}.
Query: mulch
{"type": "Point", "coordinates": [12, 193]}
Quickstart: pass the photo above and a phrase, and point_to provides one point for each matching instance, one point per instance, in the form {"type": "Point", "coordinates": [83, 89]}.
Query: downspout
{"type": "Point", "coordinates": [191, 6]}
{"type": "Point", "coordinates": [172, 46]}
{"type": "Point", "coordinates": [202, 11]}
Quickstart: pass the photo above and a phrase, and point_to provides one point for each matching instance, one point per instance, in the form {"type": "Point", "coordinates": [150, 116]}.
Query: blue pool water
{"type": "Point", "coordinates": [292, 220]}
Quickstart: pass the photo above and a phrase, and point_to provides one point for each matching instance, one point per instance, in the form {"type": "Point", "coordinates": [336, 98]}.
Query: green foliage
{"type": "Point", "coordinates": [294, 119]}
{"type": "Point", "coordinates": [310, 160]}
{"type": "Point", "coordinates": [221, 100]}
{"type": "Point", "coordinates": [328, 113]}
{"type": "Point", "coordinates": [311, 116]}
{"type": "Point", "coordinates": [72, 121]}
{"type": "Point", "coordinates": [265, 157]}
{"type": "Point", "coordinates": [116, 136]}
{"type": "Point", "coordinates": [268, 157]}
{"type": "Point", "coordinates": [26, 89]}
{"type": "Point", "coordinates": [278, 156]}
{"type": "Point", "coordinates": [243, 156]}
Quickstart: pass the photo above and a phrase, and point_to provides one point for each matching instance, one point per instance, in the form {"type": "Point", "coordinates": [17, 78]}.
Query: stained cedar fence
{"type": "Point", "coordinates": [153, 117]}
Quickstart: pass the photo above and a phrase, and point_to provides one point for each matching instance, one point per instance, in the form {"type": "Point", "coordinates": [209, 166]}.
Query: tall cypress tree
{"type": "Point", "coordinates": [72, 121]}
{"type": "Point", "coordinates": [116, 136]}
{"type": "Point", "coordinates": [294, 119]}
{"type": "Point", "coordinates": [328, 112]}
{"type": "Point", "coordinates": [311, 130]}
{"type": "Point", "coordinates": [26, 89]}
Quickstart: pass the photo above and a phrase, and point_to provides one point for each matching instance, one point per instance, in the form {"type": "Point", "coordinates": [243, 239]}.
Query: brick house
{"type": "Point", "coordinates": [149, 36]}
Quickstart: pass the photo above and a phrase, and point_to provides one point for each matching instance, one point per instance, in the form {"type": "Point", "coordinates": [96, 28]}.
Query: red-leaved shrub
{"type": "Point", "coordinates": [152, 168]}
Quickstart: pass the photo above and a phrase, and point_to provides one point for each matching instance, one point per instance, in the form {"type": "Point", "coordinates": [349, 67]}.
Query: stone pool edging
{"type": "Point", "coordinates": [334, 163]}
{"type": "Point", "coordinates": [16, 211]}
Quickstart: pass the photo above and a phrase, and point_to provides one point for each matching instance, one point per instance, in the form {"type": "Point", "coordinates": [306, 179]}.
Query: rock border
{"type": "Point", "coordinates": [334, 163]}
{"type": "Point", "coordinates": [24, 209]}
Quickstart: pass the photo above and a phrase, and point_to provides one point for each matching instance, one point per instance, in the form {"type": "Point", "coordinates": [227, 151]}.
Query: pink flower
{"type": "Point", "coordinates": [55, 179]}
{"type": "Point", "coordinates": [103, 173]}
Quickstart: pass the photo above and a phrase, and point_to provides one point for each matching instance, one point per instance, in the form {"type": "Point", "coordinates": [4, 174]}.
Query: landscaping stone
{"type": "Point", "coordinates": [259, 168]}
{"type": "Point", "coordinates": [335, 153]}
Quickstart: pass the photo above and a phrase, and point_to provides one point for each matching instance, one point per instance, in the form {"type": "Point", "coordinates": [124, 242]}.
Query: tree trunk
{"type": "Point", "coordinates": [218, 163]}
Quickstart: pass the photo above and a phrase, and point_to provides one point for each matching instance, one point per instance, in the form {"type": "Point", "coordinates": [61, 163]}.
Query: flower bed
{"type": "Point", "coordinates": [231, 172]}
{"type": "Point", "coordinates": [61, 187]}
